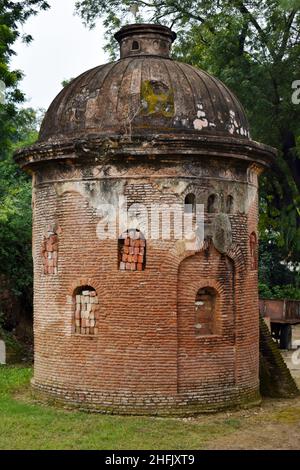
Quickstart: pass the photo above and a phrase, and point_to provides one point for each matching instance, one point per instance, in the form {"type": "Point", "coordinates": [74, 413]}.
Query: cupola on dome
{"type": "Point", "coordinates": [144, 92]}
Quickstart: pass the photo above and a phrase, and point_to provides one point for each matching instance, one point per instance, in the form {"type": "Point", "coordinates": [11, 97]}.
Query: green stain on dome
{"type": "Point", "coordinates": [157, 99]}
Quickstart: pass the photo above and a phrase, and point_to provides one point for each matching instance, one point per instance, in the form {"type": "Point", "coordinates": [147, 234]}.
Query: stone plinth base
{"type": "Point", "coordinates": [134, 404]}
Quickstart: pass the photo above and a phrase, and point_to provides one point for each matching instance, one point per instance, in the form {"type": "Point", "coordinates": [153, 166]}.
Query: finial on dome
{"type": "Point", "coordinates": [145, 39]}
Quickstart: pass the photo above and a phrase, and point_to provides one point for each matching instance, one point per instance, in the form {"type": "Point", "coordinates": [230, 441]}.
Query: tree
{"type": "Point", "coordinates": [254, 47]}
{"type": "Point", "coordinates": [15, 211]}
{"type": "Point", "coordinates": [18, 127]}
{"type": "Point", "coordinates": [13, 14]}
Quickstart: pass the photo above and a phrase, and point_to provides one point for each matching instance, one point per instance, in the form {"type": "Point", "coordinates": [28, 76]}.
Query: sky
{"type": "Point", "coordinates": [62, 48]}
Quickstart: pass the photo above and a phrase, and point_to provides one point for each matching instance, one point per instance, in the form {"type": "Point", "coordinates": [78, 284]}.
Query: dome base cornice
{"type": "Point", "coordinates": [163, 145]}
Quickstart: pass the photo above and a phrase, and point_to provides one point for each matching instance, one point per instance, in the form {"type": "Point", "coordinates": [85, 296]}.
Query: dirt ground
{"type": "Point", "coordinates": [273, 425]}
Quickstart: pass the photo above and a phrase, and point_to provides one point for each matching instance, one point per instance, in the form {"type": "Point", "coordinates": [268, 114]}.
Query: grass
{"type": "Point", "coordinates": [25, 424]}
{"type": "Point", "coordinates": [287, 416]}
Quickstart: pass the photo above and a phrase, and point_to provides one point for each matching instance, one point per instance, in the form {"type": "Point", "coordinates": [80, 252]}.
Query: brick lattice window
{"type": "Point", "coordinates": [50, 253]}
{"type": "Point", "coordinates": [86, 311]}
{"type": "Point", "coordinates": [205, 305]}
{"type": "Point", "coordinates": [132, 251]}
{"type": "Point", "coordinates": [253, 251]}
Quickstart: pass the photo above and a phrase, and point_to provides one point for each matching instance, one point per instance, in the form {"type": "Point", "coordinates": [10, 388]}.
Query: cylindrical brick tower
{"type": "Point", "coordinates": [131, 319]}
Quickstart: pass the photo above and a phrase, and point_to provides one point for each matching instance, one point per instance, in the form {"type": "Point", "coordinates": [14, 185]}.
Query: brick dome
{"type": "Point", "coordinates": [145, 92]}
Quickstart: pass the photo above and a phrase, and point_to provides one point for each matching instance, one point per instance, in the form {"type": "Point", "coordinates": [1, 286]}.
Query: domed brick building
{"type": "Point", "coordinates": [125, 321]}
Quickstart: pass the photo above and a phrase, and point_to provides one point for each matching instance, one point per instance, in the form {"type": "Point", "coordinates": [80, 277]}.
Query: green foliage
{"type": "Point", "coordinates": [277, 278]}
{"type": "Point", "coordinates": [14, 349]}
{"type": "Point", "coordinates": [18, 127]}
{"type": "Point", "coordinates": [13, 15]}
{"type": "Point", "coordinates": [289, 292]}
{"type": "Point", "coordinates": [15, 210]}
{"type": "Point", "coordinates": [272, 269]}
{"type": "Point", "coordinates": [15, 226]}
{"type": "Point", "coordinates": [264, 291]}
{"type": "Point", "coordinates": [289, 4]}
{"type": "Point", "coordinates": [66, 82]}
{"type": "Point", "coordinates": [286, 292]}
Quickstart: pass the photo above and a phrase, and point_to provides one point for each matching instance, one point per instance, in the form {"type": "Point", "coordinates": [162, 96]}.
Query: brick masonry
{"type": "Point", "coordinates": [139, 324]}
{"type": "Point", "coordinates": [140, 352]}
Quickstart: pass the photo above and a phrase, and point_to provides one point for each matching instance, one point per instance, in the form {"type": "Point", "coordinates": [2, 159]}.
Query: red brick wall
{"type": "Point", "coordinates": [145, 357]}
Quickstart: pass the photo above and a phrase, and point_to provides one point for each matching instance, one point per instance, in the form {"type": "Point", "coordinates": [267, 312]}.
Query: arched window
{"type": "Point", "coordinates": [132, 251]}
{"type": "Point", "coordinates": [205, 305]}
{"type": "Point", "coordinates": [190, 204]}
{"type": "Point", "coordinates": [212, 204]}
{"type": "Point", "coordinates": [86, 310]}
{"type": "Point", "coordinates": [135, 46]}
{"type": "Point", "coordinates": [229, 204]}
{"type": "Point", "coordinates": [253, 251]}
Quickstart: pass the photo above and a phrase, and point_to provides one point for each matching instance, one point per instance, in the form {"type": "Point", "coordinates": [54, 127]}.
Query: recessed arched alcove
{"type": "Point", "coordinates": [213, 204]}
{"type": "Point", "coordinates": [190, 203]}
{"type": "Point", "coordinates": [206, 312]}
{"type": "Point", "coordinates": [229, 204]}
{"type": "Point", "coordinates": [206, 297]}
